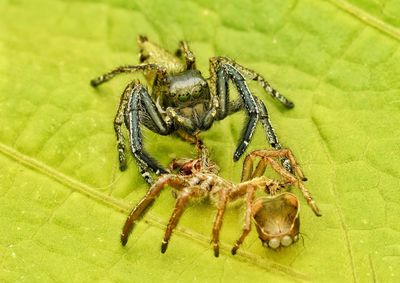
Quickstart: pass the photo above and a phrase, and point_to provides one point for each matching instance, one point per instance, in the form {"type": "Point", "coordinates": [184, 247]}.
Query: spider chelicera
{"type": "Point", "coordinates": [276, 216]}
{"type": "Point", "coordinates": [184, 103]}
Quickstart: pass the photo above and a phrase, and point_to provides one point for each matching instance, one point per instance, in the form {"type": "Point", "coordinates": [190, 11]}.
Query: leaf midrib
{"type": "Point", "coordinates": [367, 18]}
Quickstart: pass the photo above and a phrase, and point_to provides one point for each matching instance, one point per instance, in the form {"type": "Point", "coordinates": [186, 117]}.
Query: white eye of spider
{"type": "Point", "coordinates": [286, 240]}
{"type": "Point", "coordinates": [274, 243]}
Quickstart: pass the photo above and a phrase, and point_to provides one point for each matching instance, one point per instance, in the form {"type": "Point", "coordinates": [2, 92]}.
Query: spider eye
{"type": "Point", "coordinates": [196, 92]}
{"type": "Point", "coordinates": [183, 97]}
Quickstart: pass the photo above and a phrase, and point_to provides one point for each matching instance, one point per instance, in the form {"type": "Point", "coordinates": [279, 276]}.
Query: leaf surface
{"type": "Point", "coordinates": [63, 200]}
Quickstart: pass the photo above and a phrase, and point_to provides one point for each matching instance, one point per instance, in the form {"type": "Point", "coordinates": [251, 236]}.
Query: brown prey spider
{"type": "Point", "coordinates": [275, 217]}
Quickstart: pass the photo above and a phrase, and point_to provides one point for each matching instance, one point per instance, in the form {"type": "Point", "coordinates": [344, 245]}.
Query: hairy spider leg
{"type": "Point", "coordinates": [181, 201]}
{"type": "Point", "coordinates": [260, 79]}
{"type": "Point", "coordinates": [270, 133]}
{"type": "Point", "coordinates": [223, 200]}
{"type": "Point", "coordinates": [155, 124]}
{"type": "Point", "coordinates": [298, 184]}
{"type": "Point", "coordinates": [247, 218]}
{"type": "Point", "coordinates": [145, 203]}
{"type": "Point", "coordinates": [138, 100]}
{"type": "Point", "coordinates": [267, 156]}
{"type": "Point", "coordinates": [286, 153]}
{"type": "Point", "coordinates": [118, 121]}
{"type": "Point", "coordinates": [187, 54]}
{"type": "Point", "coordinates": [222, 69]}
{"type": "Point", "coordinates": [249, 104]}
{"type": "Point", "coordinates": [161, 72]}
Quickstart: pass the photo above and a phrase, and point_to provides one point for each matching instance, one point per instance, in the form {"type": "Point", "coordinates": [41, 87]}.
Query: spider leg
{"type": "Point", "coordinates": [270, 133]}
{"type": "Point", "coordinates": [281, 153]}
{"type": "Point", "coordinates": [188, 55]}
{"type": "Point", "coordinates": [218, 220]}
{"type": "Point", "coordinates": [268, 154]}
{"type": "Point", "coordinates": [138, 100]}
{"type": "Point", "coordinates": [219, 91]}
{"type": "Point", "coordinates": [118, 121]}
{"type": "Point", "coordinates": [247, 171]}
{"type": "Point", "coordinates": [222, 69]}
{"type": "Point", "coordinates": [247, 218]}
{"type": "Point", "coordinates": [250, 104]}
{"type": "Point", "coordinates": [182, 200]}
{"type": "Point", "coordinates": [161, 72]}
{"type": "Point", "coordinates": [145, 203]}
{"type": "Point", "coordinates": [260, 79]}
{"type": "Point", "coordinates": [298, 184]}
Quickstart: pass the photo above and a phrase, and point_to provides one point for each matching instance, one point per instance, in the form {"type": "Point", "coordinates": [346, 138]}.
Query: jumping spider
{"type": "Point", "coordinates": [183, 102]}
{"type": "Point", "coordinates": [276, 217]}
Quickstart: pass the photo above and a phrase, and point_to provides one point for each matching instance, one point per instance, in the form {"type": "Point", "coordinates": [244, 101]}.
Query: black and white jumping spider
{"type": "Point", "coordinates": [183, 102]}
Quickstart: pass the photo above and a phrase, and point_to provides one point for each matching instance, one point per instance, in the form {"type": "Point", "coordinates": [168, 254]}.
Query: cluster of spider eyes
{"type": "Point", "coordinates": [194, 93]}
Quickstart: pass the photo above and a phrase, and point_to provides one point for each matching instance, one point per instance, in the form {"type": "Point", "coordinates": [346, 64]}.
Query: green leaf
{"type": "Point", "coordinates": [63, 200]}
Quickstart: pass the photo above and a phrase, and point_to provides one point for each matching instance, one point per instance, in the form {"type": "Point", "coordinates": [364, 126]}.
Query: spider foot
{"type": "Point", "coordinates": [122, 161]}
{"type": "Point", "coordinates": [164, 246]}
{"type": "Point", "coordinates": [234, 249]}
{"type": "Point", "coordinates": [315, 208]}
{"type": "Point", "coordinates": [124, 239]}
{"type": "Point", "coordinates": [216, 250]}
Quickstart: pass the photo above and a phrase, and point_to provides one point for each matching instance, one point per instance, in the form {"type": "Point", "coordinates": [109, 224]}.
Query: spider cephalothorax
{"type": "Point", "coordinates": [276, 216]}
{"type": "Point", "coordinates": [184, 103]}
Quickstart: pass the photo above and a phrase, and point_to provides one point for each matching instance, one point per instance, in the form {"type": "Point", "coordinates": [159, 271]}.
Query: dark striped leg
{"type": "Point", "coordinates": [219, 88]}
{"type": "Point", "coordinates": [222, 68]}
{"type": "Point", "coordinates": [128, 69]}
{"type": "Point", "coordinates": [260, 79]}
{"type": "Point", "coordinates": [248, 101]}
{"type": "Point", "coordinates": [270, 133]}
{"type": "Point", "coordinates": [118, 121]}
{"type": "Point", "coordinates": [138, 100]}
